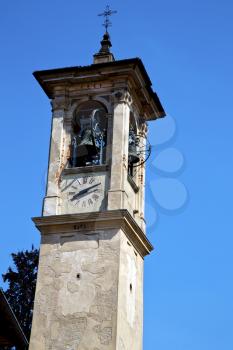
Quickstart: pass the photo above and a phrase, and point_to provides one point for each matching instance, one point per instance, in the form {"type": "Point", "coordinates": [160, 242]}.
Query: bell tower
{"type": "Point", "coordinates": [89, 293]}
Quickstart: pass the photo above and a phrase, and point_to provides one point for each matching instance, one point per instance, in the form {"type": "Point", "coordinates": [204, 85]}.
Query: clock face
{"type": "Point", "coordinates": [82, 193]}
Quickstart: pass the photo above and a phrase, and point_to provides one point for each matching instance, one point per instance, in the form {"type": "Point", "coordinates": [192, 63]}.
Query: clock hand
{"type": "Point", "coordinates": [87, 189]}
{"type": "Point", "coordinates": [84, 191]}
{"type": "Point", "coordinates": [82, 195]}
{"type": "Point", "coordinates": [67, 186]}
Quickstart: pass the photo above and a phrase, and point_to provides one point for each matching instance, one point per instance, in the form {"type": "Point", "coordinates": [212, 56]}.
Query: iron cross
{"type": "Point", "coordinates": [107, 12]}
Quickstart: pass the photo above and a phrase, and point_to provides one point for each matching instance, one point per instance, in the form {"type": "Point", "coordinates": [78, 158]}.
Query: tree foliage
{"type": "Point", "coordinates": [21, 286]}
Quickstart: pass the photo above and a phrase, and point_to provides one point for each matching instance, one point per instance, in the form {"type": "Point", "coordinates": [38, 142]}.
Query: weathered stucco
{"type": "Point", "coordinates": [83, 297]}
{"type": "Point", "coordinates": [130, 298]}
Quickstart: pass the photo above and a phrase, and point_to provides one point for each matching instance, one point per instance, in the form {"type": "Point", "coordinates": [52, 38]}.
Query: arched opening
{"type": "Point", "coordinates": [133, 155]}
{"type": "Point", "coordinates": [89, 135]}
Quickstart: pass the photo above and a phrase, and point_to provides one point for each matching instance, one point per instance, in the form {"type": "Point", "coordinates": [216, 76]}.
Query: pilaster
{"type": "Point", "coordinates": [56, 154]}
{"type": "Point", "coordinates": [117, 195]}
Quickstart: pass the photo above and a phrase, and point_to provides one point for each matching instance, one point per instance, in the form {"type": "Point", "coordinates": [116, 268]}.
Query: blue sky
{"type": "Point", "coordinates": [187, 49]}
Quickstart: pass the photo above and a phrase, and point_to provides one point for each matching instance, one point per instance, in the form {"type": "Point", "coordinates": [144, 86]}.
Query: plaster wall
{"type": "Point", "coordinates": [130, 298]}
{"type": "Point", "coordinates": [79, 294]}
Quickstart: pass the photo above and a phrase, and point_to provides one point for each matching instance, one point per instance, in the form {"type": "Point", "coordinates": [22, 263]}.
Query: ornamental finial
{"type": "Point", "coordinates": [104, 54]}
{"type": "Point", "coordinates": [106, 14]}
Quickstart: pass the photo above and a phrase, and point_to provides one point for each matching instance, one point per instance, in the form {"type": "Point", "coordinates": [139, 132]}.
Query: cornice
{"type": "Point", "coordinates": [111, 219]}
{"type": "Point", "coordinates": [124, 69]}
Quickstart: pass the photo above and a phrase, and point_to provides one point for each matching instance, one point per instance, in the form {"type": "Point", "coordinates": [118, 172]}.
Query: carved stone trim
{"type": "Point", "coordinates": [122, 96]}
{"type": "Point", "coordinates": [85, 169]}
{"type": "Point", "coordinates": [119, 219]}
{"type": "Point", "coordinates": [60, 103]}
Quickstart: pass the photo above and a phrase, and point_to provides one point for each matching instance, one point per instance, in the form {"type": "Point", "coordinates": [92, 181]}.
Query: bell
{"type": "Point", "coordinates": [87, 147]}
{"type": "Point", "coordinates": [133, 156]}
{"type": "Point", "coordinates": [84, 150]}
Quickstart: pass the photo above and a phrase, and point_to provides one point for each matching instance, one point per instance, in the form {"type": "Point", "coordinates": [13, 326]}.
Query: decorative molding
{"type": "Point", "coordinates": [60, 102]}
{"type": "Point", "coordinates": [123, 96]}
{"type": "Point", "coordinates": [85, 169]}
{"type": "Point", "coordinates": [143, 129]}
{"type": "Point", "coordinates": [105, 220]}
{"type": "Point", "coordinates": [106, 97]}
{"type": "Point", "coordinates": [130, 71]}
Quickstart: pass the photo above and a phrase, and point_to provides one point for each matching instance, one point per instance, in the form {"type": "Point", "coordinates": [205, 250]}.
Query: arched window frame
{"type": "Point", "coordinates": [89, 125]}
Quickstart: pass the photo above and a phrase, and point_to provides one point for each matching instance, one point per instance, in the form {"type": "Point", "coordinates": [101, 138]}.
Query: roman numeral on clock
{"type": "Point", "coordinates": [90, 201]}
{"type": "Point", "coordinates": [92, 179]}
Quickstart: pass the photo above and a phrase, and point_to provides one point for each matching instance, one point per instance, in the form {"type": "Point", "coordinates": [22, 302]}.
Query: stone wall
{"type": "Point", "coordinates": [76, 295]}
